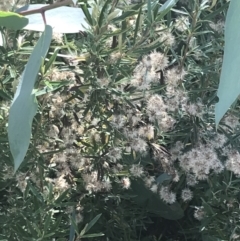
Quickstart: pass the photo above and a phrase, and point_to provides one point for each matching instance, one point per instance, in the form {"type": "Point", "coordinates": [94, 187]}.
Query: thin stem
{"type": "Point", "coordinates": [42, 10]}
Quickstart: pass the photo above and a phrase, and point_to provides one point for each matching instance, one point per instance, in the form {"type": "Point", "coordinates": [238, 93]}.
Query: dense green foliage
{"type": "Point", "coordinates": [123, 144]}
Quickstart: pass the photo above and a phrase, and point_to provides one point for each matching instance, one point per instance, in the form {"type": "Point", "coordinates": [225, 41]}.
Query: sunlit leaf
{"type": "Point", "coordinates": [12, 21]}
{"type": "Point", "coordinates": [24, 105]}
{"type": "Point", "coordinates": [229, 86]}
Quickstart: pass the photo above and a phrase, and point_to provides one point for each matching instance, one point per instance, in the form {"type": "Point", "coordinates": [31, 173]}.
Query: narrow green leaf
{"type": "Point", "coordinates": [155, 11]}
{"type": "Point", "coordinates": [134, 10]}
{"type": "Point", "coordinates": [62, 197]}
{"type": "Point", "coordinates": [93, 235]}
{"type": "Point", "coordinates": [216, 12]}
{"type": "Point", "coordinates": [50, 191]}
{"type": "Point", "coordinates": [117, 32]}
{"type": "Point", "coordinates": [37, 228]}
{"type": "Point", "coordinates": [87, 14]}
{"type": "Point", "coordinates": [47, 222]}
{"type": "Point", "coordinates": [136, 31]}
{"type": "Point", "coordinates": [49, 235]}
{"type": "Point", "coordinates": [51, 60]}
{"type": "Point", "coordinates": [48, 89]}
{"type": "Point", "coordinates": [35, 192]}
{"type": "Point", "coordinates": [12, 20]}
{"type": "Point", "coordinates": [102, 14]}
{"type": "Point", "coordinates": [83, 230]}
{"type": "Point", "coordinates": [73, 223]}
{"type": "Point", "coordinates": [113, 14]}
{"type": "Point", "coordinates": [229, 87]}
{"type": "Point", "coordinates": [20, 230]}
{"type": "Point", "coordinates": [4, 95]}
{"type": "Point", "coordinates": [24, 105]}
{"type": "Point", "coordinates": [124, 28]}
{"type": "Point", "coordinates": [30, 228]}
{"type": "Point", "coordinates": [155, 44]}
{"type": "Point", "coordinates": [165, 8]}
{"type": "Point", "coordinates": [149, 12]}
{"type": "Point", "coordinates": [89, 225]}
{"type": "Point", "coordinates": [57, 223]}
{"type": "Point", "coordinates": [72, 231]}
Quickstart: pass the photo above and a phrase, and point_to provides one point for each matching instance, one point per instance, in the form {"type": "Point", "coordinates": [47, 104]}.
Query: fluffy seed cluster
{"type": "Point", "coordinates": [200, 161]}
{"type": "Point", "coordinates": [166, 195]}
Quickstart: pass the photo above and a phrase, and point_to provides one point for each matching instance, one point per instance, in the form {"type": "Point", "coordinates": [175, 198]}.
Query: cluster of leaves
{"type": "Point", "coordinates": [99, 154]}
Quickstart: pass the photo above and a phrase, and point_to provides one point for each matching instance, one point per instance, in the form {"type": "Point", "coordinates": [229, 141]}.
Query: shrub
{"type": "Point", "coordinates": [124, 140]}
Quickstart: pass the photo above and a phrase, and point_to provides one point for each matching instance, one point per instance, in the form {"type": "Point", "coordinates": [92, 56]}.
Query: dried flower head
{"type": "Point", "coordinates": [126, 183]}
{"type": "Point", "coordinates": [158, 60]}
{"type": "Point", "coordinates": [136, 170]}
{"type": "Point", "coordinates": [233, 162]}
{"type": "Point", "coordinates": [118, 121]}
{"type": "Point", "coordinates": [182, 23]}
{"type": "Point", "coordinates": [147, 132]}
{"type": "Point", "coordinates": [218, 27]}
{"type": "Point", "coordinates": [167, 196]}
{"type": "Point", "coordinates": [58, 37]}
{"type": "Point", "coordinates": [186, 195]}
{"type": "Point", "coordinates": [138, 145]}
{"type": "Point", "coordinates": [199, 213]}
{"type": "Point", "coordinates": [115, 154]}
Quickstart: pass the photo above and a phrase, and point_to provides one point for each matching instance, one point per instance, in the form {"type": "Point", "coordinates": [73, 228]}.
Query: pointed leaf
{"type": "Point", "coordinates": [149, 12]}
{"type": "Point", "coordinates": [132, 11]}
{"type": "Point", "coordinates": [92, 222]}
{"type": "Point", "coordinates": [72, 230]}
{"type": "Point", "coordinates": [87, 14]}
{"type": "Point", "coordinates": [24, 106]}
{"type": "Point", "coordinates": [136, 31]}
{"type": "Point", "coordinates": [165, 8]}
{"type": "Point", "coordinates": [229, 87]}
{"type": "Point", "coordinates": [93, 235]}
{"type": "Point", "coordinates": [12, 21]}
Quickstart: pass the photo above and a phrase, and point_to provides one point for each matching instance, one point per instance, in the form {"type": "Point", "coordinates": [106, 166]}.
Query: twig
{"type": "Point", "coordinates": [42, 10]}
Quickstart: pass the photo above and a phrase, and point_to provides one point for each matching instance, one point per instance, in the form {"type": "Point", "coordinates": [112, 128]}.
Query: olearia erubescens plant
{"type": "Point", "coordinates": [124, 128]}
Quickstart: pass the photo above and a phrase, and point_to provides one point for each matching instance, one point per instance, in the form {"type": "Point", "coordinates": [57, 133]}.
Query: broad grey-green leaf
{"type": "Point", "coordinates": [229, 86]}
{"type": "Point", "coordinates": [24, 104]}
{"type": "Point", "coordinates": [163, 177]}
{"type": "Point", "coordinates": [12, 21]}
{"type": "Point", "coordinates": [61, 19]}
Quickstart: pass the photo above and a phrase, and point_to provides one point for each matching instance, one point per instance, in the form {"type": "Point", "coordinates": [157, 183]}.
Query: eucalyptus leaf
{"type": "Point", "coordinates": [62, 19]}
{"type": "Point", "coordinates": [229, 86]}
{"type": "Point", "coordinates": [163, 177]}
{"type": "Point", "coordinates": [12, 21]}
{"type": "Point", "coordinates": [24, 105]}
